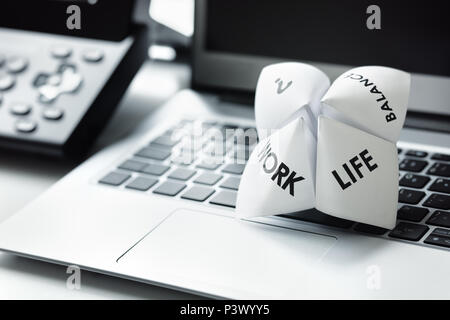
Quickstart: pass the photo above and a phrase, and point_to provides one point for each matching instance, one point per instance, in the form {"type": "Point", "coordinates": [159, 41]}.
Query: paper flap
{"type": "Point", "coordinates": [357, 175]}
{"type": "Point", "coordinates": [285, 88]}
{"type": "Point", "coordinates": [279, 176]}
{"type": "Point", "coordinates": [371, 98]}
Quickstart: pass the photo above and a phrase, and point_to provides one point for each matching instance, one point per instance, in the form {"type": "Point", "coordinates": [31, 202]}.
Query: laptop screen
{"type": "Point", "coordinates": [412, 36]}
{"type": "Point", "coordinates": [235, 39]}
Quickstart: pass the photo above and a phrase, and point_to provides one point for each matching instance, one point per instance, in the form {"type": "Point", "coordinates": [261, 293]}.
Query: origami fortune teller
{"type": "Point", "coordinates": [331, 147]}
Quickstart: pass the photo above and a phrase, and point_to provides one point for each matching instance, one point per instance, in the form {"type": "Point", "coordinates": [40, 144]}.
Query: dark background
{"type": "Point", "coordinates": [107, 19]}
{"type": "Point", "coordinates": [414, 35]}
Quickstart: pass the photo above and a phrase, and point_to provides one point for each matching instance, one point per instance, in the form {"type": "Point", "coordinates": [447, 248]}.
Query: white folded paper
{"type": "Point", "coordinates": [328, 147]}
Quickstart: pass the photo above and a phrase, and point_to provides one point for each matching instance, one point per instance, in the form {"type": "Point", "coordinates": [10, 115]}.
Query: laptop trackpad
{"type": "Point", "coordinates": [213, 253]}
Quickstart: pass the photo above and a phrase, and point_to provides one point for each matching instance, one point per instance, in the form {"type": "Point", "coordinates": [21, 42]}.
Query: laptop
{"type": "Point", "coordinates": [154, 208]}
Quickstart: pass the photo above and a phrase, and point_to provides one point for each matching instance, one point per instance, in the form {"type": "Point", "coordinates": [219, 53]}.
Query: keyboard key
{"type": "Point", "coordinates": [208, 178]}
{"type": "Point", "coordinates": [165, 141]}
{"type": "Point", "coordinates": [414, 180]}
{"type": "Point", "coordinates": [21, 109]}
{"type": "Point", "coordinates": [192, 144]}
{"type": "Point", "coordinates": [184, 159]}
{"type": "Point", "coordinates": [242, 153]}
{"type": "Point", "coordinates": [440, 185]}
{"type": "Point", "coordinates": [411, 213]}
{"type": "Point", "coordinates": [26, 126]}
{"type": "Point", "coordinates": [438, 240]}
{"type": "Point", "coordinates": [438, 201]}
{"type": "Point", "coordinates": [217, 149]}
{"type": "Point", "coordinates": [235, 168]}
{"type": "Point", "coordinates": [231, 183]}
{"type": "Point", "coordinates": [6, 81]}
{"type": "Point", "coordinates": [153, 153]}
{"type": "Point", "coordinates": [412, 165]}
{"type": "Point", "coordinates": [367, 228]}
{"type": "Point", "coordinates": [247, 137]}
{"type": "Point", "coordinates": [440, 169]}
{"type": "Point", "coordinates": [225, 198]}
{"type": "Point", "coordinates": [416, 153]}
{"type": "Point", "coordinates": [16, 64]}
{"type": "Point", "coordinates": [93, 55]}
{"type": "Point", "coordinates": [52, 114]}
{"type": "Point", "coordinates": [442, 232]}
{"type": "Point", "coordinates": [115, 178]}
{"type": "Point", "coordinates": [410, 196]}
{"type": "Point", "coordinates": [409, 231]}
{"type": "Point", "coordinates": [210, 164]}
{"type": "Point", "coordinates": [142, 184]}
{"type": "Point", "coordinates": [441, 157]}
{"type": "Point", "coordinates": [133, 165]}
{"type": "Point", "coordinates": [170, 188]}
{"type": "Point", "coordinates": [197, 193]}
{"type": "Point", "coordinates": [440, 219]}
{"type": "Point", "coordinates": [221, 133]}
{"type": "Point", "coordinates": [181, 174]}
{"type": "Point", "coordinates": [155, 169]}
{"type": "Point", "coordinates": [61, 52]}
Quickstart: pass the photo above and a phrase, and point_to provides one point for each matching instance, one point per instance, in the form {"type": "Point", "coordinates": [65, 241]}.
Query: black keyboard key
{"type": "Point", "coordinates": [441, 157]}
{"type": "Point", "coordinates": [438, 240]}
{"type": "Point", "coordinates": [440, 185]}
{"type": "Point", "coordinates": [318, 217]}
{"type": "Point", "coordinates": [115, 178]}
{"type": "Point", "coordinates": [409, 231]}
{"type": "Point", "coordinates": [412, 165]}
{"type": "Point", "coordinates": [235, 168]}
{"type": "Point", "coordinates": [154, 153]}
{"type": "Point", "coordinates": [165, 141]}
{"type": "Point", "coordinates": [416, 153]}
{"type": "Point", "coordinates": [442, 232]}
{"type": "Point", "coordinates": [231, 183]}
{"type": "Point", "coordinates": [210, 163]}
{"type": "Point", "coordinates": [170, 188]}
{"type": "Point", "coordinates": [414, 181]}
{"type": "Point", "coordinates": [182, 174]}
{"type": "Point", "coordinates": [410, 196]}
{"type": "Point", "coordinates": [198, 193]}
{"type": "Point", "coordinates": [132, 165]}
{"type": "Point", "coordinates": [225, 198]}
{"type": "Point", "coordinates": [438, 201]}
{"type": "Point", "coordinates": [208, 178]}
{"type": "Point", "coordinates": [367, 228]}
{"type": "Point", "coordinates": [142, 184]}
{"type": "Point", "coordinates": [155, 169]}
{"type": "Point", "coordinates": [440, 169]}
{"type": "Point", "coordinates": [411, 213]}
{"type": "Point", "coordinates": [440, 219]}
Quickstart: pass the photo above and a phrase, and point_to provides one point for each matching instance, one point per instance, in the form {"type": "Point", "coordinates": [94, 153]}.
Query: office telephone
{"type": "Point", "coordinates": [59, 87]}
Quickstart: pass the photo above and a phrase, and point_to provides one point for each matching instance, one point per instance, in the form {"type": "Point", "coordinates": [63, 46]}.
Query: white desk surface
{"type": "Point", "coordinates": [23, 178]}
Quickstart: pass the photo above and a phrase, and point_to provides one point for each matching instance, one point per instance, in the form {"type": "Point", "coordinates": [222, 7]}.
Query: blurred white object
{"type": "Point", "coordinates": [175, 14]}
{"type": "Point", "coordinates": [160, 52]}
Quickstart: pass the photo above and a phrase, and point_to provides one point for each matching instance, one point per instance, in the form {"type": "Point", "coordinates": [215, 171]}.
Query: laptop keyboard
{"type": "Point", "coordinates": [203, 161]}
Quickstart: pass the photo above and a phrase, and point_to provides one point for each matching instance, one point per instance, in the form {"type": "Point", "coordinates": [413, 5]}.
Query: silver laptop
{"type": "Point", "coordinates": [155, 208]}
